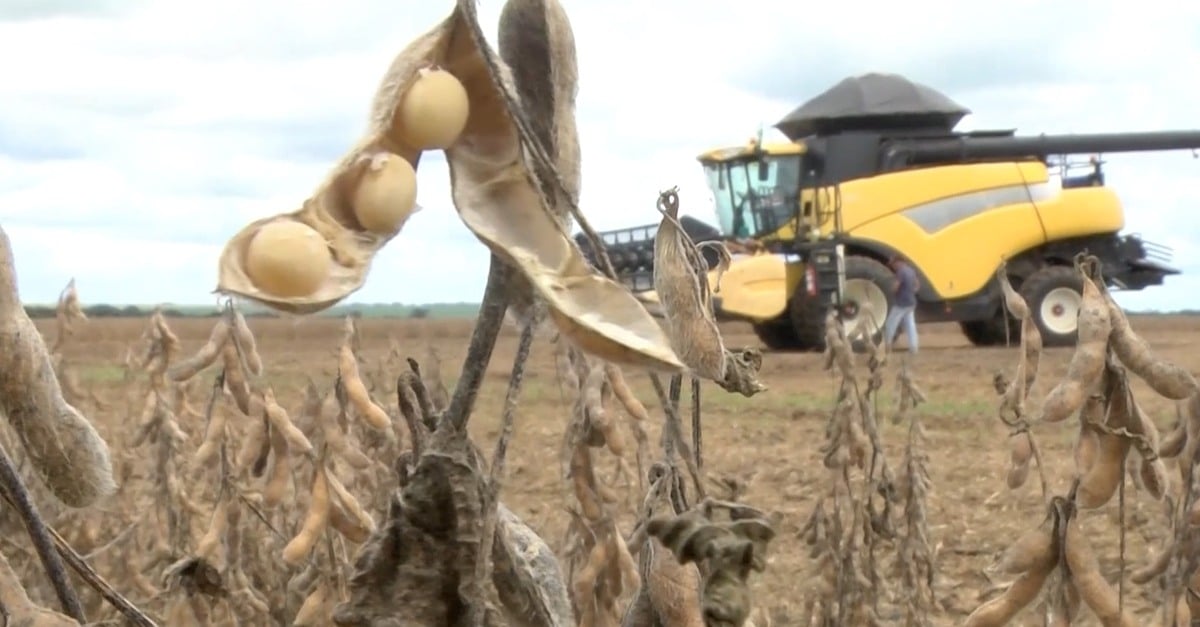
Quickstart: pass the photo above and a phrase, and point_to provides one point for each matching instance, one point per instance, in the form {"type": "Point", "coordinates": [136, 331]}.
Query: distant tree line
{"type": "Point", "coordinates": [112, 311]}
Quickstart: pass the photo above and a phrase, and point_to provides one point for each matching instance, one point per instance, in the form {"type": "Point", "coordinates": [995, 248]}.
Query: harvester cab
{"type": "Point", "coordinates": [773, 204]}
{"type": "Point", "coordinates": [872, 169]}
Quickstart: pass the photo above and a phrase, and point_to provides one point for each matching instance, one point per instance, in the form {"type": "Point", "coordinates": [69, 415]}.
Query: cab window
{"type": "Point", "coordinates": [753, 198]}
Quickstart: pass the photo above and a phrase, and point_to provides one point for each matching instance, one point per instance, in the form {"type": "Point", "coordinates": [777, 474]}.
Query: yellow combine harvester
{"type": "Point", "coordinates": [873, 169]}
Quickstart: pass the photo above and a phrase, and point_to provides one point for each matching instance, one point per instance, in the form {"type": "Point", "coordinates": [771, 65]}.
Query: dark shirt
{"type": "Point", "coordinates": [906, 292]}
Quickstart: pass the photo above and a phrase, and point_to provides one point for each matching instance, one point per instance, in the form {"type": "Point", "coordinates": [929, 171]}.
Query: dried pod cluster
{"type": "Point", "coordinates": [1015, 392]}
{"type": "Point", "coordinates": [856, 512]}
{"type": "Point", "coordinates": [500, 174]}
{"type": "Point", "coordinates": [316, 520]}
{"type": "Point", "coordinates": [1115, 437]}
{"type": "Point", "coordinates": [600, 567]}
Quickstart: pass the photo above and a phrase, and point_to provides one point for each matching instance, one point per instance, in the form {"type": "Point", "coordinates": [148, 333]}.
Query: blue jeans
{"type": "Point", "coordinates": [891, 326]}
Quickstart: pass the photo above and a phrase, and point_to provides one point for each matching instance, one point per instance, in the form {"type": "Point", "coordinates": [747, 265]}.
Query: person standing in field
{"type": "Point", "coordinates": [904, 305]}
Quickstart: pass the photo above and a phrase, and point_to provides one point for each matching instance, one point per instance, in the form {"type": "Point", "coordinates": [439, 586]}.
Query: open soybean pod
{"type": "Point", "coordinates": [501, 178]}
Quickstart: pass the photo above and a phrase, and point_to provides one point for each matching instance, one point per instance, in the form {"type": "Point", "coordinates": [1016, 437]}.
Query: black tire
{"type": "Point", "coordinates": [990, 332]}
{"type": "Point", "coordinates": [1041, 284]}
{"type": "Point", "coordinates": [808, 317]}
{"type": "Point", "coordinates": [776, 334]}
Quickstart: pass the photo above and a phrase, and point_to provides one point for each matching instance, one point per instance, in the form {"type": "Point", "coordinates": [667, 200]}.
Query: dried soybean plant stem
{"type": "Point", "coordinates": [697, 439]}
{"type": "Point", "coordinates": [496, 473]}
{"type": "Point", "coordinates": [847, 564]}
{"type": "Point", "coordinates": [1041, 467]}
{"type": "Point", "coordinates": [482, 343]}
{"type": "Point", "coordinates": [914, 554]}
{"type": "Point", "coordinates": [410, 409]}
{"type": "Point", "coordinates": [879, 473]}
{"type": "Point", "coordinates": [508, 417]}
{"type": "Point", "coordinates": [78, 564]}
{"type": "Point", "coordinates": [1121, 544]}
{"type": "Point", "coordinates": [915, 557]}
{"type": "Point", "coordinates": [1181, 562]}
{"type": "Point", "coordinates": [670, 437]}
{"type": "Point", "coordinates": [16, 494]}
{"type": "Point", "coordinates": [673, 432]}
{"type": "Point", "coordinates": [422, 394]}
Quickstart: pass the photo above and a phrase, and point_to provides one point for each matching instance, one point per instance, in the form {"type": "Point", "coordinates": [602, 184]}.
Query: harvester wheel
{"type": "Point", "coordinates": [1054, 294]}
{"type": "Point", "coordinates": [999, 330]}
{"type": "Point", "coordinates": [776, 334]}
{"type": "Point", "coordinates": [807, 318]}
{"type": "Point", "coordinates": [990, 332]}
{"type": "Point", "coordinates": [868, 297]}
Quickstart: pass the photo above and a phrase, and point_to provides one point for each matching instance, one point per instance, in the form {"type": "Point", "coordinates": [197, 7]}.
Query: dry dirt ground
{"type": "Point", "coordinates": [770, 441]}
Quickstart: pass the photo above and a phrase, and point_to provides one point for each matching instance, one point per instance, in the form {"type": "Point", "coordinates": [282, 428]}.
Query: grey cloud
{"type": "Point", "coordinates": [797, 79]}
{"type": "Point", "coordinates": [25, 10]}
{"type": "Point", "coordinates": [1004, 49]}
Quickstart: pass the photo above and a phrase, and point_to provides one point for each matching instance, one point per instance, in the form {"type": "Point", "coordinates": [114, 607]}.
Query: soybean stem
{"type": "Point", "coordinates": [496, 473]}
{"type": "Point", "coordinates": [16, 494]}
{"type": "Point", "coordinates": [483, 342]}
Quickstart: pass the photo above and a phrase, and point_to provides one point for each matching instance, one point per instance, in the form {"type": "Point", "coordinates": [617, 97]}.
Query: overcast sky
{"type": "Point", "coordinates": [136, 137]}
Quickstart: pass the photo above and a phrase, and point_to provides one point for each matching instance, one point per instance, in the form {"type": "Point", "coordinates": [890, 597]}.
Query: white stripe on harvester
{"type": "Point", "coordinates": [938, 214]}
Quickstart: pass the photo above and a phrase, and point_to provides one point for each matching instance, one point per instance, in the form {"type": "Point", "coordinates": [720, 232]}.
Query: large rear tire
{"type": "Point", "coordinates": [1054, 295]}
{"type": "Point", "coordinates": [991, 332]}
{"type": "Point", "coordinates": [808, 321]}
{"type": "Point", "coordinates": [868, 295]}
{"type": "Point", "coordinates": [1002, 329]}
{"type": "Point", "coordinates": [776, 334]}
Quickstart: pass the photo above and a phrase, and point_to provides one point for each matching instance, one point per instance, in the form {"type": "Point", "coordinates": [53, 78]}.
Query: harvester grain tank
{"type": "Point", "coordinates": [872, 169]}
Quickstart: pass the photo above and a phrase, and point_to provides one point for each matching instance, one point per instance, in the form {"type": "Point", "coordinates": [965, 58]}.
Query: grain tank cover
{"type": "Point", "coordinates": [876, 101]}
